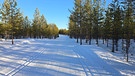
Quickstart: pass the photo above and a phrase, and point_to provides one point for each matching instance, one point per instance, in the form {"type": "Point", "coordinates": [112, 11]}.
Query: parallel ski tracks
{"type": "Point", "coordinates": [32, 57]}
{"type": "Point", "coordinates": [87, 65]}
{"type": "Point", "coordinates": [84, 64]}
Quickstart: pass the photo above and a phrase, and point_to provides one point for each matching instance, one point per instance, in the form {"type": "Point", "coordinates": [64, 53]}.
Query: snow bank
{"type": "Point", "coordinates": [2, 39]}
{"type": "Point", "coordinates": [26, 42]}
{"type": "Point", "coordinates": [31, 39]}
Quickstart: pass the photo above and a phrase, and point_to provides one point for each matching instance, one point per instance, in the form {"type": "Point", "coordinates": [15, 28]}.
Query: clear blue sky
{"type": "Point", "coordinates": [55, 11]}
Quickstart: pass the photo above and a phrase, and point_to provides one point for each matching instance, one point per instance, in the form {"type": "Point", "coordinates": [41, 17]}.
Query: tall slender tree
{"type": "Point", "coordinates": [36, 24]}
{"type": "Point", "coordinates": [77, 16]}
{"type": "Point", "coordinates": [114, 5]}
{"type": "Point", "coordinates": [43, 23]}
{"type": "Point", "coordinates": [26, 27]}
{"type": "Point", "coordinates": [18, 27]}
{"type": "Point", "coordinates": [98, 18]}
{"type": "Point", "coordinates": [107, 25]}
{"type": "Point", "coordinates": [88, 19]}
{"type": "Point", "coordinates": [9, 12]}
{"type": "Point", "coordinates": [128, 23]}
{"type": "Point", "coordinates": [73, 30]}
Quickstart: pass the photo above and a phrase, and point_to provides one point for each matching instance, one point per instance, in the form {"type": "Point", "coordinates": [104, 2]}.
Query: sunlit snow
{"type": "Point", "coordinates": [60, 57]}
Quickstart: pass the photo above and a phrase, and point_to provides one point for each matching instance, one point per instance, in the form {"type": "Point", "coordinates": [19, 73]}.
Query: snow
{"type": "Point", "coordinates": [60, 57]}
{"type": "Point", "coordinates": [2, 39]}
{"type": "Point", "coordinates": [118, 60]}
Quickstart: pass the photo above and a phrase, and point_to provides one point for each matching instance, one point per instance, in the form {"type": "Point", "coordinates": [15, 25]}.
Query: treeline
{"type": "Point", "coordinates": [14, 25]}
{"type": "Point", "coordinates": [63, 31]}
{"type": "Point", "coordinates": [90, 19]}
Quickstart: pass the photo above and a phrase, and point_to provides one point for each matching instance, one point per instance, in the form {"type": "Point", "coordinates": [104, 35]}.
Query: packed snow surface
{"type": "Point", "coordinates": [59, 57]}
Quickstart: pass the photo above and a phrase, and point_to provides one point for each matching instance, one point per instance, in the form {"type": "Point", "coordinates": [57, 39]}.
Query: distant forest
{"type": "Point", "coordinates": [14, 25]}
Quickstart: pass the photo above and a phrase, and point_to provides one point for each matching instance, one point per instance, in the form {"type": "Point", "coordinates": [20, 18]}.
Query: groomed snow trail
{"type": "Point", "coordinates": [48, 57]}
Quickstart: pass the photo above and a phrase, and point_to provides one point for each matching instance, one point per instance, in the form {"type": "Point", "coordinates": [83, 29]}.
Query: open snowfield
{"type": "Point", "coordinates": [60, 57]}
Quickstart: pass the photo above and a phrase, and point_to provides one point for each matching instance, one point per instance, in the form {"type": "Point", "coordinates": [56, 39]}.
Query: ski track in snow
{"type": "Point", "coordinates": [45, 57]}
{"type": "Point", "coordinates": [21, 66]}
{"type": "Point", "coordinates": [92, 65]}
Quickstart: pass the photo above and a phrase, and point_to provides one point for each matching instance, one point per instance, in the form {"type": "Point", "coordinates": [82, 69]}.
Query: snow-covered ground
{"type": "Point", "coordinates": [60, 57]}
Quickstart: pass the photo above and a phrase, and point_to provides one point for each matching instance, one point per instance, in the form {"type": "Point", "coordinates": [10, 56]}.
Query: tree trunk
{"type": "Point", "coordinates": [127, 47]}
{"type": "Point", "coordinates": [103, 41]}
{"type": "Point", "coordinates": [116, 45]}
{"type": "Point", "coordinates": [80, 35]}
{"type": "Point", "coordinates": [80, 40]}
{"type": "Point", "coordinates": [113, 45]}
{"type": "Point", "coordinates": [127, 57]}
{"type": "Point", "coordinates": [127, 51]}
{"type": "Point", "coordinates": [86, 41]}
{"type": "Point", "coordinates": [107, 42]}
{"type": "Point", "coordinates": [90, 40]}
{"type": "Point", "coordinates": [77, 39]}
{"type": "Point", "coordinates": [97, 42]}
{"type": "Point", "coordinates": [12, 38]}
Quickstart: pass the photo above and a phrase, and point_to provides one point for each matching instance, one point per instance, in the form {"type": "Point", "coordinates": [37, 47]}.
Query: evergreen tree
{"type": "Point", "coordinates": [15, 25]}
{"type": "Point", "coordinates": [73, 29]}
{"type": "Point", "coordinates": [36, 26]}
{"type": "Point", "coordinates": [9, 12]}
{"type": "Point", "coordinates": [107, 26]}
{"type": "Point", "coordinates": [55, 31]}
{"type": "Point", "coordinates": [77, 16]}
{"type": "Point", "coordinates": [97, 18]}
{"type": "Point", "coordinates": [52, 31]}
{"type": "Point", "coordinates": [18, 27]}
{"type": "Point", "coordinates": [63, 31]}
{"type": "Point", "coordinates": [5, 12]}
{"type": "Point", "coordinates": [88, 19]}
{"type": "Point", "coordinates": [114, 5]}
{"type": "Point", "coordinates": [43, 26]}
{"type": "Point", "coordinates": [128, 23]}
{"type": "Point", "coordinates": [117, 26]}
{"type": "Point", "coordinates": [26, 27]}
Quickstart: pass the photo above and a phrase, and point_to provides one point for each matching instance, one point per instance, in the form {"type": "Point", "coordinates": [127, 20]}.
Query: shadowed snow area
{"type": "Point", "coordinates": [48, 57]}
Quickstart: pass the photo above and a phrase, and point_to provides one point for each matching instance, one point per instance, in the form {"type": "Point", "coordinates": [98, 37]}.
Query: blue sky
{"type": "Point", "coordinates": [55, 11]}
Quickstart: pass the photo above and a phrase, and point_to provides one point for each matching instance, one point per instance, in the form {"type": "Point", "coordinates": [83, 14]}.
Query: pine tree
{"type": "Point", "coordinates": [18, 27]}
{"type": "Point", "coordinates": [9, 12]}
{"type": "Point", "coordinates": [43, 23]}
{"type": "Point", "coordinates": [114, 6]}
{"type": "Point", "coordinates": [118, 26]}
{"type": "Point", "coordinates": [88, 19]}
{"type": "Point", "coordinates": [5, 12]}
{"type": "Point", "coordinates": [97, 18]}
{"type": "Point", "coordinates": [128, 23]}
{"type": "Point", "coordinates": [55, 31]}
{"type": "Point", "coordinates": [36, 26]}
{"type": "Point", "coordinates": [73, 28]}
{"type": "Point", "coordinates": [71, 25]}
{"type": "Point", "coordinates": [117, 23]}
{"type": "Point", "coordinates": [107, 26]}
{"type": "Point", "coordinates": [26, 27]}
{"type": "Point", "coordinates": [77, 16]}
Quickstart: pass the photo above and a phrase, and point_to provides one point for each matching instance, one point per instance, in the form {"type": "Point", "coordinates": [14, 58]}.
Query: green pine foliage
{"type": "Point", "coordinates": [115, 22]}
{"type": "Point", "coordinates": [63, 31]}
{"type": "Point", "coordinates": [14, 25]}
{"type": "Point", "coordinates": [86, 19]}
